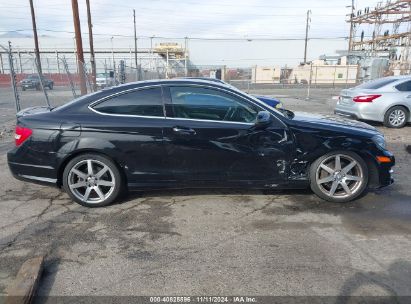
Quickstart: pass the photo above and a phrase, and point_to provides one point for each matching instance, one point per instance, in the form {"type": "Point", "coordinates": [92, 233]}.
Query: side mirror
{"type": "Point", "coordinates": [263, 119]}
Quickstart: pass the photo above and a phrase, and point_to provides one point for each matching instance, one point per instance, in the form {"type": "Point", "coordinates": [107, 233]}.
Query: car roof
{"type": "Point", "coordinates": [205, 78]}
{"type": "Point", "coordinates": [397, 77]}
{"type": "Point", "coordinates": [179, 81]}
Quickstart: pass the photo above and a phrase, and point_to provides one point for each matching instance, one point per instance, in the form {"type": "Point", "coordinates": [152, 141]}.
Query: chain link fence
{"type": "Point", "coordinates": [63, 71]}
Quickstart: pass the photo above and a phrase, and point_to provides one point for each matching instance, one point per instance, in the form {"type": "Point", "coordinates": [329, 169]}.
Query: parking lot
{"type": "Point", "coordinates": [210, 242]}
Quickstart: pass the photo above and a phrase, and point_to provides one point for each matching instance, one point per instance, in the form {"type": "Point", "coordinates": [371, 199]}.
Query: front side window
{"type": "Point", "coordinates": [404, 87]}
{"type": "Point", "coordinates": [146, 102]}
{"type": "Point", "coordinates": [209, 104]}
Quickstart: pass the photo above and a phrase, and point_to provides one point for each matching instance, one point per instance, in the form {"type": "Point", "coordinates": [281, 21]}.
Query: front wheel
{"type": "Point", "coordinates": [92, 180]}
{"type": "Point", "coordinates": [51, 86]}
{"type": "Point", "coordinates": [339, 176]}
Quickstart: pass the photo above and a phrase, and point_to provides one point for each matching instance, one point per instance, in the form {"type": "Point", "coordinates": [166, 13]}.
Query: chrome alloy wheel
{"type": "Point", "coordinates": [339, 176]}
{"type": "Point", "coordinates": [91, 181]}
{"type": "Point", "coordinates": [397, 117]}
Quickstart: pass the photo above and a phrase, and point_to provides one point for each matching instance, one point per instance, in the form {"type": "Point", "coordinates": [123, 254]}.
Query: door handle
{"type": "Point", "coordinates": [409, 96]}
{"type": "Point", "coordinates": [184, 131]}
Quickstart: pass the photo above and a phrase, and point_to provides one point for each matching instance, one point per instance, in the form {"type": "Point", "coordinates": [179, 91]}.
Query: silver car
{"type": "Point", "coordinates": [387, 100]}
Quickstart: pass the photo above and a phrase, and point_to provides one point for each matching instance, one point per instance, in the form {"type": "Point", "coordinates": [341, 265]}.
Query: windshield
{"type": "Point", "coordinates": [33, 77]}
{"type": "Point", "coordinates": [376, 84]}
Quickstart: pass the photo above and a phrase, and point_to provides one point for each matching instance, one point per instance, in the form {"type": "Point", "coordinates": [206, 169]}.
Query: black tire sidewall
{"type": "Point", "coordinates": [315, 188]}
{"type": "Point", "coordinates": [387, 114]}
{"type": "Point", "coordinates": [116, 172]}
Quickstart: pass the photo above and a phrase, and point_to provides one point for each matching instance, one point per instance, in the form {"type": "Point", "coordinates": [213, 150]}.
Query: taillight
{"type": "Point", "coordinates": [21, 135]}
{"type": "Point", "coordinates": [365, 98]}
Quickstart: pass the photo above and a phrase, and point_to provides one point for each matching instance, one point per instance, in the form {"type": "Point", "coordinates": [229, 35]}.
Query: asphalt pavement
{"type": "Point", "coordinates": [210, 242]}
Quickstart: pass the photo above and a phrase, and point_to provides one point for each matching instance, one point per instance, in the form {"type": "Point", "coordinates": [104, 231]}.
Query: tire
{"type": "Point", "coordinates": [37, 87]}
{"type": "Point", "coordinates": [23, 88]}
{"type": "Point", "coordinates": [88, 188]}
{"type": "Point", "coordinates": [51, 86]}
{"type": "Point", "coordinates": [396, 117]}
{"type": "Point", "coordinates": [339, 184]}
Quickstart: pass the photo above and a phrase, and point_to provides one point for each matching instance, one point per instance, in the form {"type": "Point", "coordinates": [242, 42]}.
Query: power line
{"type": "Point", "coordinates": [248, 38]}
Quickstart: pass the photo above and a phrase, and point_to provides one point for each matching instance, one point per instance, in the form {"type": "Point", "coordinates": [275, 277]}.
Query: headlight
{"type": "Point", "coordinates": [379, 141]}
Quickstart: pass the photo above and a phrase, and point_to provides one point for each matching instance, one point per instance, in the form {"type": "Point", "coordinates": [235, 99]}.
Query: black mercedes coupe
{"type": "Point", "coordinates": [190, 133]}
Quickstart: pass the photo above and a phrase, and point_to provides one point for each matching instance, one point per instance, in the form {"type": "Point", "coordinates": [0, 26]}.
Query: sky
{"type": "Point", "coordinates": [212, 26]}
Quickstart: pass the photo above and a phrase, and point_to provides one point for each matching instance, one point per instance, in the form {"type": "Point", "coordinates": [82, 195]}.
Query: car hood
{"type": "Point", "coordinates": [266, 97]}
{"type": "Point", "coordinates": [332, 121]}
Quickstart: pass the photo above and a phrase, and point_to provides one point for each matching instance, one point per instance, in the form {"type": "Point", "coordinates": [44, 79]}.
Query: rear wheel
{"type": "Point", "coordinates": [339, 177]}
{"type": "Point", "coordinates": [92, 180]}
{"type": "Point", "coordinates": [51, 86]}
{"type": "Point", "coordinates": [396, 117]}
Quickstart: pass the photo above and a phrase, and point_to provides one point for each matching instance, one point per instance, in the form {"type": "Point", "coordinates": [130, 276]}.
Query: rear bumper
{"type": "Point", "coordinates": [365, 111]}
{"type": "Point", "coordinates": [346, 114]}
{"type": "Point", "coordinates": [25, 173]}
{"type": "Point", "coordinates": [32, 169]}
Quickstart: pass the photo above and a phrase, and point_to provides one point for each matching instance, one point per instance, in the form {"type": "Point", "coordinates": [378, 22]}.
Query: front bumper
{"type": "Point", "coordinates": [385, 171]}
{"type": "Point", "coordinates": [28, 85]}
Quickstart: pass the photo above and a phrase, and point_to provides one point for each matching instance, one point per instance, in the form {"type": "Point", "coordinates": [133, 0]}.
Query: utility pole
{"type": "Point", "coordinates": [79, 46]}
{"type": "Point", "coordinates": [306, 34]}
{"type": "Point", "coordinates": [151, 53]}
{"type": "Point", "coordinates": [112, 57]}
{"type": "Point", "coordinates": [185, 56]}
{"type": "Point", "coordinates": [351, 27]}
{"type": "Point", "coordinates": [36, 41]}
{"type": "Point", "coordinates": [90, 38]}
{"type": "Point", "coordinates": [135, 43]}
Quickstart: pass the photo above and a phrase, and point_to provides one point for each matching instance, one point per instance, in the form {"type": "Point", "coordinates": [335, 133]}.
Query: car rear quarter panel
{"type": "Point", "coordinates": [135, 144]}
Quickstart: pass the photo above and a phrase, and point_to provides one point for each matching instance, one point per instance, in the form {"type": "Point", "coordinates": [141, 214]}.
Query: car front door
{"type": "Point", "coordinates": [210, 136]}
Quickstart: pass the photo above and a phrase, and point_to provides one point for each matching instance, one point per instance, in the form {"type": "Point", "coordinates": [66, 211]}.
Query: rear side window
{"type": "Point", "coordinates": [146, 102]}
{"type": "Point", "coordinates": [404, 87]}
{"type": "Point", "coordinates": [377, 84]}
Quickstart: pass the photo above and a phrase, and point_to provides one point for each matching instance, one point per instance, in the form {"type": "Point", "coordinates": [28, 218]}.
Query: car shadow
{"type": "Point", "coordinates": [185, 192]}
{"type": "Point", "coordinates": [388, 286]}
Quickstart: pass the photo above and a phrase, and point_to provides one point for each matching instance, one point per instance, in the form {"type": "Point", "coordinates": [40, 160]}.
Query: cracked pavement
{"type": "Point", "coordinates": [203, 242]}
